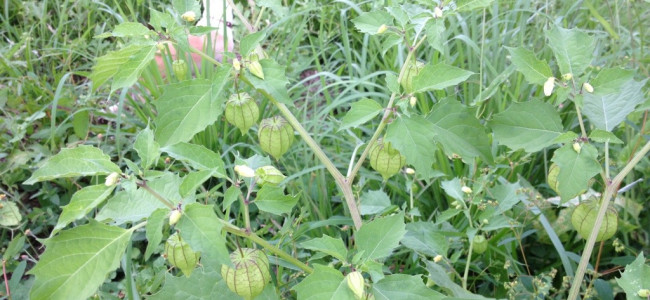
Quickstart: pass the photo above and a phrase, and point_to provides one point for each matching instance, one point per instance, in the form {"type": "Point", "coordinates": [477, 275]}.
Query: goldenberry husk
{"type": "Point", "coordinates": [385, 159]}
{"type": "Point", "coordinates": [269, 175]}
{"type": "Point", "coordinates": [553, 172]}
{"type": "Point", "coordinates": [242, 111]}
{"type": "Point", "coordinates": [180, 254]}
{"type": "Point", "coordinates": [180, 69]}
{"type": "Point", "coordinates": [275, 136]}
{"type": "Point", "coordinates": [412, 70]}
{"type": "Point", "coordinates": [480, 244]}
{"type": "Point", "coordinates": [584, 216]}
{"type": "Point", "coordinates": [250, 273]}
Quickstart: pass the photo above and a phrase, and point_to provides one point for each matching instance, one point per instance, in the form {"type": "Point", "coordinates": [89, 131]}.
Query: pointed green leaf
{"type": "Point", "coordinates": [154, 227]}
{"type": "Point", "coordinates": [535, 71]}
{"type": "Point", "coordinates": [576, 169]}
{"type": "Point", "coordinates": [81, 123]}
{"type": "Point", "coordinates": [378, 238]}
{"type": "Point", "coordinates": [369, 22]}
{"type": "Point", "coordinates": [373, 202]}
{"type": "Point", "coordinates": [198, 156]}
{"type": "Point", "coordinates": [360, 112]}
{"type": "Point", "coordinates": [531, 126]}
{"type": "Point", "coordinates": [273, 200]}
{"type": "Point", "coordinates": [147, 148]}
{"type": "Point", "coordinates": [507, 195]}
{"type": "Point", "coordinates": [459, 132]}
{"type": "Point", "coordinates": [438, 77]}
{"type": "Point", "coordinates": [193, 180]}
{"type": "Point", "coordinates": [82, 202]}
{"type": "Point", "coordinates": [125, 65]}
{"type": "Point", "coordinates": [324, 283]}
{"type": "Point", "coordinates": [439, 275]}
{"type": "Point", "coordinates": [635, 277]}
{"type": "Point", "coordinates": [402, 286]}
{"type": "Point", "coordinates": [10, 214]}
{"type": "Point", "coordinates": [573, 49]}
{"type": "Point", "coordinates": [413, 137]}
{"type": "Point", "coordinates": [328, 245]}
{"type": "Point", "coordinates": [200, 285]}
{"type": "Point", "coordinates": [467, 5]}
{"type": "Point", "coordinates": [129, 29]}
{"type": "Point", "coordinates": [77, 261]}
{"type": "Point", "coordinates": [250, 41]}
{"type": "Point", "coordinates": [611, 80]}
{"type": "Point", "coordinates": [200, 228]}
{"type": "Point", "coordinates": [231, 195]}
{"type": "Point", "coordinates": [602, 136]}
{"type": "Point", "coordinates": [425, 238]}
{"type": "Point", "coordinates": [188, 107]}
{"type": "Point", "coordinates": [607, 111]}
{"type": "Point", "coordinates": [182, 6]}
{"type": "Point", "coordinates": [436, 36]}
{"type": "Point", "coordinates": [274, 82]}
{"type": "Point", "coordinates": [73, 162]}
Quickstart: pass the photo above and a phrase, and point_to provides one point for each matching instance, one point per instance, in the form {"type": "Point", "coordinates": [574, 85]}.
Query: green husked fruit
{"type": "Point", "coordinates": [584, 220]}
{"type": "Point", "coordinates": [180, 255]}
{"type": "Point", "coordinates": [275, 136]}
{"type": "Point", "coordinates": [413, 69]}
{"type": "Point", "coordinates": [242, 111]}
{"type": "Point", "coordinates": [250, 274]}
{"type": "Point", "coordinates": [385, 159]}
{"type": "Point", "coordinates": [553, 172]}
{"type": "Point", "coordinates": [480, 244]}
{"type": "Point", "coordinates": [269, 175]}
{"type": "Point", "coordinates": [180, 69]}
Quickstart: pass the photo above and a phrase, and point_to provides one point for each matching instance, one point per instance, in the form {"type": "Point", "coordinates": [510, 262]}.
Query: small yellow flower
{"type": "Point", "coordinates": [466, 189]}
{"type": "Point", "coordinates": [577, 147]}
{"type": "Point", "coordinates": [438, 258]}
{"type": "Point", "coordinates": [382, 29]}
{"type": "Point", "coordinates": [189, 16]}
{"type": "Point", "coordinates": [567, 76]}
{"type": "Point", "coordinates": [413, 101]}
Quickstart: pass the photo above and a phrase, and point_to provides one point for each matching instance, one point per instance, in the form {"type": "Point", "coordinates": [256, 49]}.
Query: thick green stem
{"type": "Point", "coordinates": [611, 189]}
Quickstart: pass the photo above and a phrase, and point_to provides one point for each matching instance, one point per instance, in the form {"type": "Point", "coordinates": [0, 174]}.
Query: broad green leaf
{"type": "Point", "coordinates": [160, 20]}
{"type": "Point", "coordinates": [607, 111]}
{"type": "Point", "coordinates": [82, 202]}
{"type": "Point", "coordinates": [134, 204]}
{"type": "Point", "coordinates": [275, 5]}
{"type": "Point", "coordinates": [402, 286]}
{"type": "Point", "coordinates": [391, 83]}
{"type": "Point", "coordinates": [531, 126]}
{"type": "Point", "coordinates": [399, 14]}
{"type": "Point", "coordinates": [566, 137]}
{"type": "Point", "coordinates": [188, 107]}
{"type": "Point", "coordinates": [154, 227]}
{"type": "Point", "coordinates": [453, 188]}
{"type": "Point", "coordinates": [611, 81]}
{"type": "Point", "coordinates": [81, 123]}
{"type": "Point", "coordinates": [459, 132]}
{"type": "Point", "coordinates": [573, 49]}
{"type": "Point", "coordinates": [273, 200]}
{"type": "Point", "coordinates": [274, 82]}
{"type": "Point", "coordinates": [576, 169]}
{"type": "Point", "coordinates": [73, 162]}
{"type": "Point", "coordinates": [506, 195]}
{"type": "Point", "coordinates": [635, 277]}
{"type": "Point", "coordinates": [128, 29]}
{"type": "Point", "coordinates": [77, 261]}
{"type": "Point", "coordinates": [373, 202]}
{"type": "Point", "coordinates": [10, 214]}
{"type": "Point", "coordinates": [183, 6]}
{"type": "Point", "coordinates": [440, 277]}
{"type": "Point", "coordinates": [14, 247]}
{"type": "Point", "coordinates": [231, 195]}
{"type": "Point", "coordinates": [193, 180]}
{"type": "Point", "coordinates": [467, 5]}
{"type": "Point", "coordinates": [328, 245]}
{"type": "Point", "coordinates": [360, 112]}
{"type": "Point", "coordinates": [378, 238]}
{"type": "Point", "coordinates": [324, 283]}
{"type": "Point", "coordinates": [414, 137]}
{"type": "Point", "coordinates": [369, 22]}
{"type": "Point", "coordinates": [436, 36]}
{"type": "Point", "coordinates": [147, 148]}
{"type": "Point", "coordinates": [125, 65]}
{"type": "Point", "coordinates": [199, 286]}
{"type": "Point", "coordinates": [423, 237]}
{"type": "Point", "coordinates": [602, 136]}
{"type": "Point", "coordinates": [198, 156]}
{"type": "Point", "coordinates": [536, 71]}
{"type": "Point", "coordinates": [438, 77]}
{"type": "Point", "coordinates": [250, 41]}
{"type": "Point", "coordinates": [200, 228]}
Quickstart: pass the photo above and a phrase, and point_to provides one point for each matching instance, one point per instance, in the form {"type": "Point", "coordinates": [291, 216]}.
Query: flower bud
{"type": "Point", "coordinates": [382, 29]}
{"type": "Point", "coordinates": [269, 175]}
{"type": "Point", "coordinates": [189, 16]}
{"type": "Point", "coordinates": [409, 171]}
{"type": "Point", "coordinates": [413, 101]}
{"type": "Point", "coordinates": [577, 147]}
{"type": "Point", "coordinates": [112, 179]}
{"type": "Point", "coordinates": [548, 86]}
{"type": "Point", "coordinates": [437, 12]}
{"type": "Point", "coordinates": [356, 283]}
{"type": "Point", "coordinates": [180, 69]}
{"type": "Point", "coordinates": [244, 171]}
{"type": "Point", "coordinates": [437, 259]}
{"type": "Point", "coordinates": [587, 87]}
{"type": "Point", "coordinates": [643, 293]}
{"type": "Point", "coordinates": [255, 67]}
{"type": "Point", "coordinates": [174, 216]}
{"type": "Point", "coordinates": [466, 189]}
{"type": "Point", "coordinates": [567, 76]}
{"type": "Point", "coordinates": [236, 64]}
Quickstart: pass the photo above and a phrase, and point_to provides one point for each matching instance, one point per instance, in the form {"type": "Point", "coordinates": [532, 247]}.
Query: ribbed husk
{"type": "Point", "coordinates": [250, 274]}
{"type": "Point", "coordinates": [275, 136]}
{"type": "Point", "coordinates": [385, 159]}
{"type": "Point", "coordinates": [242, 111]}
{"type": "Point", "coordinates": [584, 219]}
{"type": "Point", "coordinates": [180, 255]}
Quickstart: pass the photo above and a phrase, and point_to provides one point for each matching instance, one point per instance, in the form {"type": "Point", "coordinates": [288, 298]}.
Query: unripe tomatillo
{"type": "Point", "coordinates": [480, 244]}
{"type": "Point", "coordinates": [242, 111]}
{"type": "Point", "coordinates": [385, 159]}
{"type": "Point", "coordinates": [180, 254]}
{"type": "Point", "coordinates": [412, 70]}
{"type": "Point", "coordinates": [275, 136]}
{"type": "Point", "coordinates": [250, 273]}
{"type": "Point", "coordinates": [269, 175]}
{"type": "Point", "coordinates": [584, 216]}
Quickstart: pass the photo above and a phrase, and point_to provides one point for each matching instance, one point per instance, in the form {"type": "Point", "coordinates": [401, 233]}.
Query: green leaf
{"type": "Point", "coordinates": [374, 202]}
{"type": "Point", "coordinates": [129, 29]}
{"type": "Point", "coordinates": [324, 283]}
{"type": "Point", "coordinates": [413, 137]}
{"type": "Point", "coordinates": [438, 77]}
{"type": "Point", "coordinates": [81, 123]}
{"type": "Point", "coordinates": [611, 80]}
{"type": "Point", "coordinates": [73, 162]}
{"type": "Point", "coordinates": [378, 238]}
{"type": "Point", "coordinates": [328, 245]}
{"type": "Point", "coordinates": [576, 169]}
{"type": "Point", "coordinates": [182, 6]}
{"type": "Point", "coordinates": [231, 195]}
{"type": "Point", "coordinates": [436, 36]}
{"type": "Point", "coordinates": [82, 202]}
{"type": "Point", "coordinates": [424, 237]}
{"type": "Point", "coordinates": [198, 156]}
{"type": "Point", "coordinates": [573, 49]}
{"type": "Point", "coordinates": [531, 126]}
{"type": "Point", "coordinates": [467, 5]}
{"type": "Point", "coordinates": [453, 188]}
{"type": "Point", "coordinates": [154, 227]}
{"type": "Point", "coordinates": [200, 285]}
{"type": "Point", "coordinates": [535, 71]}
{"type": "Point", "coordinates": [602, 136]}
{"type": "Point", "coordinates": [77, 261]}
{"type": "Point", "coordinates": [459, 132]}
{"type": "Point", "coordinates": [188, 107]}
{"type": "Point", "coordinates": [360, 112]}
{"type": "Point", "coordinates": [274, 82]}
{"type": "Point", "coordinates": [607, 111]}
{"type": "Point", "coordinates": [369, 22]}
{"type": "Point", "coordinates": [391, 83]}
{"type": "Point", "coordinates": [275, 5]}
{"type": "Point", "coordinates": [635, 277]}
{"type": "Point", "coordinates": [250, 41]}
{"type": "Point", "coordinates": [200, 228]}
{"type": "Point", "coordinates": [9, 214]}
{"type": "Point", "coordinates": [147, 148]}
{"type": "Point", "coordinates": [273, 200]}
{"type": "Point", "coordinates": [125, 65]}
{"type": "Point", "coordinates": [193, 180]}
{"type": "Point", "coordinates": [14, 247]}
{"type": "Point", "coordinates": [402, 286]}
{"type": "Point", "coordinates": [440, 276]}
{"type": "Point", "coordinates": [567, 137]}
{"type": "Point", "coordinates": [506, 194]}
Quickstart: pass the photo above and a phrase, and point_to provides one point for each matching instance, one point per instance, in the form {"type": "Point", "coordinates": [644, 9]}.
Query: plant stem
{"type": "Point", "coordinates": [582, 124]}
{"type": "Point", "coordinates": [611, 189]}
{"type": "Point", "coordinates": [469, 261]}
